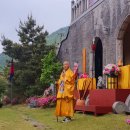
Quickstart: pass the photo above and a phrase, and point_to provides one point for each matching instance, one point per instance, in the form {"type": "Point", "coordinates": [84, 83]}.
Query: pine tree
{"type": "Point", "coordinates": [28, 54]}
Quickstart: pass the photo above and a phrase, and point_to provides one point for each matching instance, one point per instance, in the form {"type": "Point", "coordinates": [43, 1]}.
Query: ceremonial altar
{"type": "Point", "coordinates": [118, 89]}
{"type": "Point", "coordinates": [100, 101]}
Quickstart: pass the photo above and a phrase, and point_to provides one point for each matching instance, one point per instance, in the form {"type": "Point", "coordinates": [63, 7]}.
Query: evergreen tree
{"type": "Point", "coordinates": [27, 56]}
{"type": "Point", "coordinates": [3, 85]}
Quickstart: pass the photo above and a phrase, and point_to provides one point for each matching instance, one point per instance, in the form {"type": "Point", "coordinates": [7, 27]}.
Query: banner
{"type": "Point", "coordinates": [11, 70]}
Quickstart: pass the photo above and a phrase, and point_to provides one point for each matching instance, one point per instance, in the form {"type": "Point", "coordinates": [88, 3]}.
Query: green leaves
{"type": "Point", "coordinates": [51, 68]}
{"type": "Point", "coordinates": [3, 85]}
{"type": "Point", "coordinates": [31, 33]}
{"type": "Point", "coordinates": [32, 75]}
{"type": "Point", "coordinates": [27, 56]}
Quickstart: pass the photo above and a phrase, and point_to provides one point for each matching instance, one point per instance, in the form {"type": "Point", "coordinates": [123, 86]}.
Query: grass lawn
{"type": "Point", "coordinates": [13, 118]}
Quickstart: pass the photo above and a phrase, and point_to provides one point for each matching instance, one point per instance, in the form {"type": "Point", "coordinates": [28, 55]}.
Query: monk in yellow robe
{"type": "Point", "coordinates": [65, 94]}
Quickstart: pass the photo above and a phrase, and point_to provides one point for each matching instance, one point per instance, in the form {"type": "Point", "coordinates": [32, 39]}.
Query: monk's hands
{"type": "Point", "coordinates": [67, 99]}
{"type": "Point", "coordinates": [63, 75]}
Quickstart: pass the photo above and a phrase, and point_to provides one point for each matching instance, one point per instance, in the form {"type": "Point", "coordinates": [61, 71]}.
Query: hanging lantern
{"type": "Point", "coordinates": [93, 47]}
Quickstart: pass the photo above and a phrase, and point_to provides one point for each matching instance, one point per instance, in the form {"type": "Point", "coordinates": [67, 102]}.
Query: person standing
{"type": "Point", "coordinates": [65, 94]}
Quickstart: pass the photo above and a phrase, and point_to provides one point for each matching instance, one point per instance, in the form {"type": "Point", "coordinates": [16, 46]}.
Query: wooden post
{"type": "Point", "coordinates": [84, 60]}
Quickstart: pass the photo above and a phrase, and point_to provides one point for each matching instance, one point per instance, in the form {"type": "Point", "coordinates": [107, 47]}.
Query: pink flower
{"type": "Point", "coordinates": [84, 75]}
{"type": "Point", "coordinates": [42, 101]}
{"type": "Point", "coordinates": [128, 121]}
{"type": "Point", "coordinates": [111, 68]}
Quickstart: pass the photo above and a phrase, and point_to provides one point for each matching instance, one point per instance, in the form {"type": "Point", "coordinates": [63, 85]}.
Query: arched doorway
{"type": "Point", "coordinates": [123, 42]}
{"type": "Point", "coordinates": [98, 58]}
{"type": "Point", "coordinates": [126, 46]}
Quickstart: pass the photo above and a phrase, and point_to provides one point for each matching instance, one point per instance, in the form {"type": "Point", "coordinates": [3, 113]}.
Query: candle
{"type": "Point", "coordinates": [84, 60]}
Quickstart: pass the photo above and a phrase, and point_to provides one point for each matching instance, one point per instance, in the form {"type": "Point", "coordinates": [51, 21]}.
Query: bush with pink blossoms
{"type": "Point", "coordinates": [42, 102]}
{"type": "Point", "coordinates": [6, 100]}
{"type": "Point", "coordinates": [15, 101]}
{"type": "Point", "coordinates": [32, 102]}
{"type": "Point", "coordinates": [28, 100]}
{"type": "Point", "coordinates": [128, 121]}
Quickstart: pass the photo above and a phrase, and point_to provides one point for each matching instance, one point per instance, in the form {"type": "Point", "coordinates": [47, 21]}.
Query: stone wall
{"type": "Point", "coordinates": [104, 20]}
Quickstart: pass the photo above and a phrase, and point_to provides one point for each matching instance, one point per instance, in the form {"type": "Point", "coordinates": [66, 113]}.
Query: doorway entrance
{"type": "Point", "coordinates": [123, 42]}
{"type": "Point", "coordinates": [98, 58]}
{"type": "Point", "coordinates": [126, 46]}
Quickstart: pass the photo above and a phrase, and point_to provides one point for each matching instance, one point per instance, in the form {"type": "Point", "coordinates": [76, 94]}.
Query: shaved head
{"type": "Point", "coordinates": [66, 62]}
{"type": "Point", "coordinates": [66, 65]}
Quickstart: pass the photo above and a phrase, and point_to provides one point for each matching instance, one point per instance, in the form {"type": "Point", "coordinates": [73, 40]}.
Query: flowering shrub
{"type": "Point", "coordinates": [15, 101]}
{"type": "Point", "coordinates": [32, 102]}
{"type": "Point", "coordinates": [128, 121]}
{"type": "Point", "coordinates": [111, 70]}
{"type": "Point", "coordinates": [42, 102]}
{"type": "Point", "coordinates": [6, 100]}
{"type": "Point", "coordinates": [28, 100]}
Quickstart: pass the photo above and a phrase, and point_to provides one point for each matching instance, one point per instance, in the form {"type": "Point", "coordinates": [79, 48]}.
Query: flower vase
{"type": "Point", "coordinates": [106, 83]}
{"type": "Point", "coordinates": [112, 82]}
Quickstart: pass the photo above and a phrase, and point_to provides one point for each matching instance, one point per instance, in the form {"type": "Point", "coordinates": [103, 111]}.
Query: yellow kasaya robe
{"type": "Point", "coordinates": [65, 100]}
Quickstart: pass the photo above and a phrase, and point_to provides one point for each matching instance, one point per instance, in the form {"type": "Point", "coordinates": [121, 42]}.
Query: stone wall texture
{"type": "Point", "coordinates": [103, 21]}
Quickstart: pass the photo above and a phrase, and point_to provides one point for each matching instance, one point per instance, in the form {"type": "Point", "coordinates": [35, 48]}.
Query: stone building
{"type": "Point", "coordinates": [104, 22]}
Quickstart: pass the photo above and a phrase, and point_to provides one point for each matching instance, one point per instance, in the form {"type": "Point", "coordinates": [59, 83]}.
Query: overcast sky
{"type": "Point", "coordinates": [53, 14]}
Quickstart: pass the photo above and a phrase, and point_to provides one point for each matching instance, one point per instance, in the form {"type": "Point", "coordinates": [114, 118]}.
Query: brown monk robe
{"type": "Point", "coordinates": [65, 94]}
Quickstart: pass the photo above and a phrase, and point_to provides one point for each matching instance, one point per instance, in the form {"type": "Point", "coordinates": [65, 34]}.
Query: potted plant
{"type": "Point", "coordinates": [111, 70]}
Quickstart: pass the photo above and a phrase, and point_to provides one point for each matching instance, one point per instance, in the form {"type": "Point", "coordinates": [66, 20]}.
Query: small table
{"type": "Point", "coordinates": [83, 84]}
